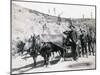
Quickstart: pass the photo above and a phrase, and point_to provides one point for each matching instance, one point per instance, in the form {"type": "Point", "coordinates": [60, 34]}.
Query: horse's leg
{"type": "Point", "coordinates": [34, 59]}
{"type": "Point", "coordinates": [61, 55]}
{"type": "Point", "coordinates": [53, 54]}
{"type": "Point", "coordinates": [44, 60]}
{"type": "Point", "coordinates": [64, 53]}
{"type": "Point", "coordinates": [47, 60]}
{"type": "Point", "coordinates": [22, 52]}
{"type": "Point", "coordinates": [57, 53]}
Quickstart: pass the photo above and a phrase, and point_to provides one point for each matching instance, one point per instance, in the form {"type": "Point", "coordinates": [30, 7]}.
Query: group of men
{"type": "Point", "coordinates": [82, 44]}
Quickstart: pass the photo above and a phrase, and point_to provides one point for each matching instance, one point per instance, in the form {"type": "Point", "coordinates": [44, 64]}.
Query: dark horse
{"type": "Point", "coordinates": [48, 48]}
{"type": "Point", "coordinates": [44, 49]}
{"type": "Point", "coordinates": [45, 52]}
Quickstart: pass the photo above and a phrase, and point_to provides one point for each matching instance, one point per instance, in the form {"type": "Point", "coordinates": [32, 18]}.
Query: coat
{"type": "Point", "coordinates": [74, 36]}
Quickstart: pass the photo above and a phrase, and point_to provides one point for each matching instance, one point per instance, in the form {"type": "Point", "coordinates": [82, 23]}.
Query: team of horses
{"type": "Point", "coordinates": [45, 49]}
{"type": "Point", "coordinates": [34, 47]}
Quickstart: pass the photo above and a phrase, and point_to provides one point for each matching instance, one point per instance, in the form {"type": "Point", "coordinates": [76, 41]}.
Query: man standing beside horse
{"type": "Point", "coordinates": [73, 37]}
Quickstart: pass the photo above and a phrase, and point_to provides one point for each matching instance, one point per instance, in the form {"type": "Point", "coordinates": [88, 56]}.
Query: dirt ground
{"type": "Point", "coordinates": [21, 65]}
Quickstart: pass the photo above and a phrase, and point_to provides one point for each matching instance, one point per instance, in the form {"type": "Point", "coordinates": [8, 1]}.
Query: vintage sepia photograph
{"type": "Point", "coordinates": [52, 37]}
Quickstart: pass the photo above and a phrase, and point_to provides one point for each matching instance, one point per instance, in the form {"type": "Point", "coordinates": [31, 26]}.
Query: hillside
{"type": "Point", "coordinates": [26, 21]}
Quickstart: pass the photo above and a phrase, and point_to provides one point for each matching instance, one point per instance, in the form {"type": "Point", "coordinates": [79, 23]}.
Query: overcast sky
{"type": "Point", "coordinates": [73, 11]}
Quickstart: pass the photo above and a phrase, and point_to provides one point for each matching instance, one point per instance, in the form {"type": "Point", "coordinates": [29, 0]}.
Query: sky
{"type": "Point", "coordinates": [67, 11]}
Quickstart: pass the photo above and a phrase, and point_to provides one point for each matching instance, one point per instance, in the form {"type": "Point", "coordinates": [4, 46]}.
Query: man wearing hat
{"type": "Point", "coordinates": [73, 38]}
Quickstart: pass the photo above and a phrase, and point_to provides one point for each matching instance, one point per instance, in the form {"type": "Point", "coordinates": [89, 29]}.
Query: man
{"type": "Point", "coordinates": [83, 39]}
{"type": "Point", "coordinates": [90, 41]}
{"type": "Point", "coordinates": [73, 37]}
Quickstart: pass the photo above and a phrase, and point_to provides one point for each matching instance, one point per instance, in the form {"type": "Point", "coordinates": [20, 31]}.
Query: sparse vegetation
{"type": "Point", "coordinates": [29, 21]}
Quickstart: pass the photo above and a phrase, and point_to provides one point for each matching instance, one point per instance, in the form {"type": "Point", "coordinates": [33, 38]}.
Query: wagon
{"type": "Point", "coordinates": [54, 33]}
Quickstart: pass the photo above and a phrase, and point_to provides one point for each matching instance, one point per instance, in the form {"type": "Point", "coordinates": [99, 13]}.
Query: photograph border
{"type": "Point", "coordinates": [58, 4]}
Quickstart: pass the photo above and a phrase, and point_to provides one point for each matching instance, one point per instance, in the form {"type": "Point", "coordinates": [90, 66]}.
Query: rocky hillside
{"type": "Point", "coordinates": [26, 22]}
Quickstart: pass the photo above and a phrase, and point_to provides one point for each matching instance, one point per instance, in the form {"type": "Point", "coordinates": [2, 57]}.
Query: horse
{"type": "Point", "coordinates": [31, 48]}
{"type": "Point", "coordinates": [45, 52]}
{"type": "Point", "coordinates": [20, 47]}
{"type": "Point", "coordinates": [48, 48]}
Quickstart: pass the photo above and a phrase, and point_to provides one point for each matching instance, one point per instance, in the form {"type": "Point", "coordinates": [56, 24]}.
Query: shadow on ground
{"type": "Point", "coordinates": [30, 66]}
{"type": "Point", "coordinates": [39, 64]}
